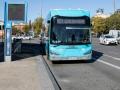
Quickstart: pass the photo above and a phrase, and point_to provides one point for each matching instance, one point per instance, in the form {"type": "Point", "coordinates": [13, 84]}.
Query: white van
{"type": "Point", "coordinates": [115, 34]}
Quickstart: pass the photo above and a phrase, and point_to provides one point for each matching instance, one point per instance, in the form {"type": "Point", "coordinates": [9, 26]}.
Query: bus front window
{"type": "Point", "coordinates": [66, 34]}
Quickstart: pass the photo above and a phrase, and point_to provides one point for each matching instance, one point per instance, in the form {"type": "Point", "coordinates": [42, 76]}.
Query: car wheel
{"type": "Point", "coordinates": [116, 43]}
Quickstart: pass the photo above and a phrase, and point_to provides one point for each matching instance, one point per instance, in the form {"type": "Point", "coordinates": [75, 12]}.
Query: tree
{"type": "Point", "coordinates": [37, 25]}
{"type": "Point", "coordinates": [99, 25]}
{"type": "Point", "coordinates": [26, 28]}
{"type": "Point", "coordinates": [15, 30]}
{"type": "Point", "coordinates": [113, 22]}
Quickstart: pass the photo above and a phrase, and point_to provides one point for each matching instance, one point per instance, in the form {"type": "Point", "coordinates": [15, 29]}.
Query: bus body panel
{"type": "Point", "coordinates": [68, 13]}
{"type": "Point", "coordinates": [72, 52]}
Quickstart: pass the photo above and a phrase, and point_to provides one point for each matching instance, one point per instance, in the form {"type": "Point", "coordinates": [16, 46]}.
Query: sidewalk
{"type": "Point", "coordinates": [26, 74]}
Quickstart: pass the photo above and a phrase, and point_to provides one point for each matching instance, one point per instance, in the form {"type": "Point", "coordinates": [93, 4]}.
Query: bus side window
{"type": "Point", "coordinates": [73, 38]}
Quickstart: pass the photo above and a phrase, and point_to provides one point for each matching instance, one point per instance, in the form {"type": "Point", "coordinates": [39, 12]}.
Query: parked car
{"type": "Point", "coordinates": [22, 37]}
{"type": "Point", "coordinates": [107, 39]}
{"type": "Point", "coordinates": [115, 34]}
{"type": "Point", "coordinates": [13, 37]}
{"type": "Point", "coordinates": [27, 37]}
{"type": "Point", "coordinates": [43, 37]}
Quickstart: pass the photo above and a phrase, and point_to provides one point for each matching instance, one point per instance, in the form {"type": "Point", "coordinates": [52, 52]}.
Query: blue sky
{"type": "Point", "coordinates": [34, 6]}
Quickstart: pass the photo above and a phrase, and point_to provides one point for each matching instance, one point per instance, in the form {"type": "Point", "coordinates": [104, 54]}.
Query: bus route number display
{"type": "Point", "coordinates": [16, 12]}
{"type": "Point", "coordinates": [71, 21]}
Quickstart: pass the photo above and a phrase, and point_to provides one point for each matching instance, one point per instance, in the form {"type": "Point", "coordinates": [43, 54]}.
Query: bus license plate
{"type": "Point", "coordinates": [73, 58]}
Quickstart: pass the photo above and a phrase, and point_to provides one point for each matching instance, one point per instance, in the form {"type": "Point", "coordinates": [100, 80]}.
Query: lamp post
{"type": "Point", "coordinates": [41, 7]}
{"type": "Point", "coordinates": [114, 5]}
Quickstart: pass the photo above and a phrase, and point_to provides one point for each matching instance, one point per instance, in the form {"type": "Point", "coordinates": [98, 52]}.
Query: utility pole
{"type": "Point", "coordinates": [114, 5]}
{"type": "Point", "coordinates": [41, 7]}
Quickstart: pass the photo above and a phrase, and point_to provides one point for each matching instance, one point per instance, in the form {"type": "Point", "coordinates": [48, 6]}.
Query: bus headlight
{"type": "Point", "coordinates": [53, 53]}
{"type": "Point", "coordinates": [88, 52]}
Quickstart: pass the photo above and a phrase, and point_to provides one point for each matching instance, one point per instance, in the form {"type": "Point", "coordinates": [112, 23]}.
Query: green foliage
{"type": "Point", "coordinates": [101, 25]}
{"type": "Point", "coordinates": [98, 25]}
{"type": "Point", "coordinates": [15, 31]}
{"type": "Point", "coordinates": [113, 22]}
{"type": "Point", "coordinates": [26, 28]}
{"type": "Point", "coordinates": [37, 25]}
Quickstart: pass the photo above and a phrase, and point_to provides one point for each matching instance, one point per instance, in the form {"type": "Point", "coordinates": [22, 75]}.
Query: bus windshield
{"type": "Point", "coordinates": [69, 34]}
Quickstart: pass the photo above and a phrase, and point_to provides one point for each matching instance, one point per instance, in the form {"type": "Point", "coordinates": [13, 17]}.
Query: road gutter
{"type": "Point", "coordinates": [50, 79]}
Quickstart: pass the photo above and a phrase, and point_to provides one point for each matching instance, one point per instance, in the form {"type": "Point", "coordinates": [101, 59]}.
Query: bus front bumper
{"type": "Point", "coordinates": [58, 58]}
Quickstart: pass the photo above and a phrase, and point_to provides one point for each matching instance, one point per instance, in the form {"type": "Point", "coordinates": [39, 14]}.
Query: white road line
{"type": "Point", "coordinates": [109, 64]}
{"type": "Point", "coordinates": [118, 59]}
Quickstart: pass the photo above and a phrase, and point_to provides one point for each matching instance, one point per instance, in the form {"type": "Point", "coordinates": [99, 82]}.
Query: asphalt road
{"type": "Point", "coordinates": [101, 74]}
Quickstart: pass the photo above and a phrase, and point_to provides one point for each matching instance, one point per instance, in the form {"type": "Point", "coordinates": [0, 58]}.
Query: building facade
{"type": "Point", "coordinates": [1, 29]}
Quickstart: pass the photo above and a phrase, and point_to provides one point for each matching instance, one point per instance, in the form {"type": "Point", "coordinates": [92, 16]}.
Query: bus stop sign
{"type": "Point", "coordinates": [13, 12]}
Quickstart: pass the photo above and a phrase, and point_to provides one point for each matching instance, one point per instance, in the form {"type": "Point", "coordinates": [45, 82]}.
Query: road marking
{"type": "Point", "coordinates": [109, 64]}
{"type": "Point", "coordinates": [118, 59]}
{"type": "Point", "coordinates": [65, 80]}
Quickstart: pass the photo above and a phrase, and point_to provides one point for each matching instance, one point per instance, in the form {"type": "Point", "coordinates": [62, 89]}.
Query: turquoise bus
{"type": "Point", "coordinates": [69, 35]}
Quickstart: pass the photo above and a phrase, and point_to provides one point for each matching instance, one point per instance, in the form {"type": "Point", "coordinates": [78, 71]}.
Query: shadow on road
{"type": "Point", "coordinates": [29, 50]}
{"type": "Point", "coordinates": [1, 51]}
{"type": "Point", "coordinates": [32, 49]}
{"type": "Point", "coordinates": [96, 55]}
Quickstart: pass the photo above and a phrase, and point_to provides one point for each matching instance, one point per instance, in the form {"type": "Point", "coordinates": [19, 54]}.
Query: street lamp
{"type": "Point", "coordinates": [114, 5]}
{"type": "Point", "coordinates": [41, 7]}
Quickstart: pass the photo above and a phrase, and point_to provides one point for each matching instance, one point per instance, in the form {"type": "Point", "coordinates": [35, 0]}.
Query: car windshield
{"type": "Point", "coordinates": [108, 36]}
{"type": "Point", "coordinates": [67, 34]}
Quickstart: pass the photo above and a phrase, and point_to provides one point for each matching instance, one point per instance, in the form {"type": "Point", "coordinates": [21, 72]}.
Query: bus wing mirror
{"type": "Point", "coordinates": [48, 21]}
{"type": "Point", "coordinates": [3, 27]}
{"type": "Point", "coordinates": [46, 38]}
{"type": "Point", "coordinates": [91, 25]}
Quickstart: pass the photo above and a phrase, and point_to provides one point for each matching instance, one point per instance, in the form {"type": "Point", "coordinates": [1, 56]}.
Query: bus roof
{"type": "Point", "coordinates": [68, 13]}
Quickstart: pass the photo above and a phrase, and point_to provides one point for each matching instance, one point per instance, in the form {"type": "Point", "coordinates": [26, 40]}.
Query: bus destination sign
{"type": "Point", "coordinates": [71, 21]}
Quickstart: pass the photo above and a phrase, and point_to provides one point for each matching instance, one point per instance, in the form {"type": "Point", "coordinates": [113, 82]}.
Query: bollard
{"type": "Point", "coordinates": [17, 45]}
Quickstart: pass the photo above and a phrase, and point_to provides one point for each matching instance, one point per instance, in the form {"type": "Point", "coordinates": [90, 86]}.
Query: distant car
{"type": "Point", "coordinates": [107, 39]}
{"type": "Point", "coordinates": [13, 37]}
{"type": "Point", "coordinates": [27, 37]}
{"type": "Point", "coordinates": [43, 37]}
{"type": "Point", "coordinates": [22, 37]}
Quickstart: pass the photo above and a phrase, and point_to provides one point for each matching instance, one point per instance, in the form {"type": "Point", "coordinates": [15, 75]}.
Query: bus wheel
{"type": "Point", "coordinates": [55, 62]}
{"type": "Point", "coordinates": [91, 61]}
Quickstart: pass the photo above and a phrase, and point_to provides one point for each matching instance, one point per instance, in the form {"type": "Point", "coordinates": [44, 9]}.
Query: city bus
{"type": "Point", "coordinates": [69, 35]}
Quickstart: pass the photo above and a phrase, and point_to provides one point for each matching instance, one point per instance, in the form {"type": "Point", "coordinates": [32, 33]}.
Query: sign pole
{"type": "Point", "coordinates": [8, 34]}
{"type": "Point", "coordinates": [8, 44]}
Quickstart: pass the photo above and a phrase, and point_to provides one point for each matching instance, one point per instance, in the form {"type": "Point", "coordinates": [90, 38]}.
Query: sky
{"type": "Point", "coordinates": [34, 6]}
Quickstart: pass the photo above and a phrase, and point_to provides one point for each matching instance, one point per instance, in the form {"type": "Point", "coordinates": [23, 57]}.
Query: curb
{"type": "Point", "coordinates": [48, 81]}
